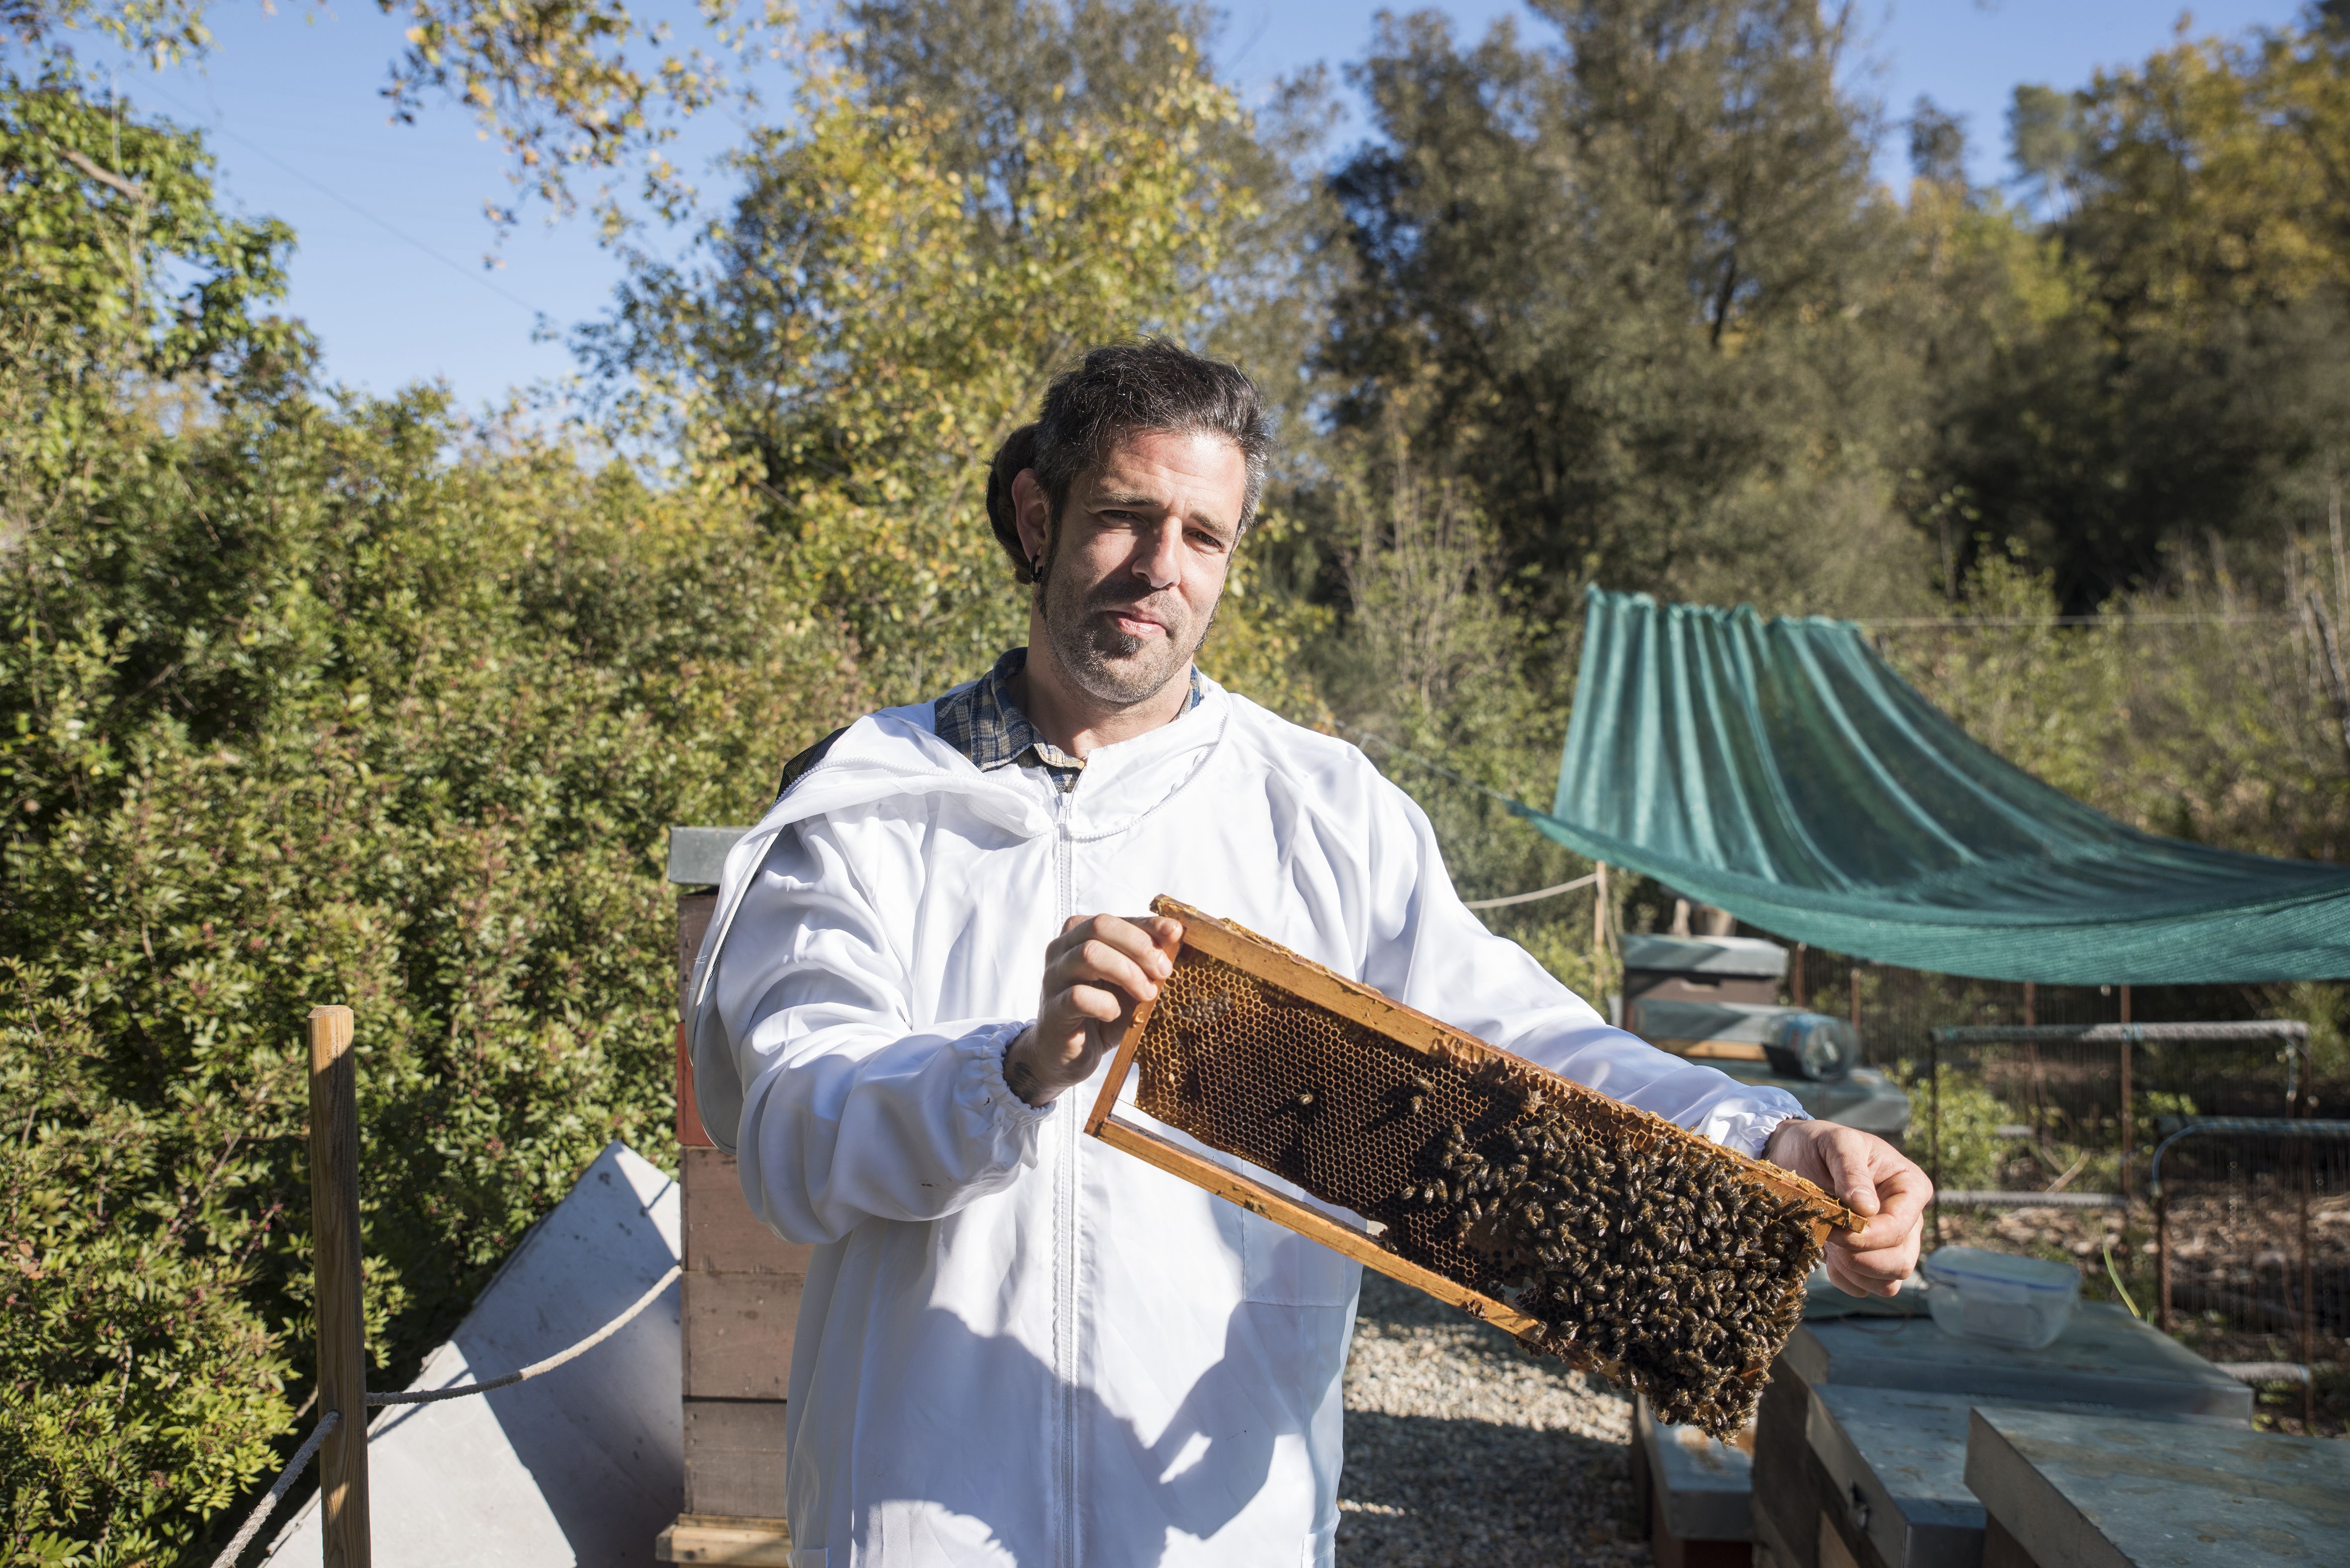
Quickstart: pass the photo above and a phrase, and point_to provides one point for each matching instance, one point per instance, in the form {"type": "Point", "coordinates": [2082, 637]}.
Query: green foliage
{"type": "Point", "coordinates": [1971, 1153]}
{"type": "Point", "coordinates": [1433, 663]}
{"type": "Point", "coordinates": [317, 700]}
{"type": "Point", "coordinates": [888, 300]}
{"type": "Point", "coordinates": [145, 1388]}
{"type": "Point", "coordinates": [2193, 388]}
{"type": "Point", "coordinates": [2188, 727]}
{"type": "Point", "coordinates": [312, 699]}
{"type": "Point", "coordinates": [363, 727]}
{"type": "Point", "coordinates": [1621, 284]}
{"type": "Point", "coordinates": [117, 272]}
{"type": "Point", "coordinates": [564, 89]}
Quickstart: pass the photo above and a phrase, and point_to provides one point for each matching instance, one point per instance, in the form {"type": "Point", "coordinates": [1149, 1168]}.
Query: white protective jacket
{"type": "Point", "coordinates": [1017, 1345]}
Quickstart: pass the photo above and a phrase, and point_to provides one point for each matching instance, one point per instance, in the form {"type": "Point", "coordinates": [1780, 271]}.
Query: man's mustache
{"type": "Point", "coordinates": [1163, 605]}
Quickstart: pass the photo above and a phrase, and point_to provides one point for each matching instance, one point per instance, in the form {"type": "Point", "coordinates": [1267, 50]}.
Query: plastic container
{"type": "Point", "coordinates": [1999, 1298]}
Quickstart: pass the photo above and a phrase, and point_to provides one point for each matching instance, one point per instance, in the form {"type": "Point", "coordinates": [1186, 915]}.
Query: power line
{"type": "Point", "coordinates": [221, 127]}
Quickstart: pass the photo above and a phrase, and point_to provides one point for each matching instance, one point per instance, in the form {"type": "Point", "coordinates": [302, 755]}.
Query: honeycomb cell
{"type": "Point", "coordinates": [1642, 1252]}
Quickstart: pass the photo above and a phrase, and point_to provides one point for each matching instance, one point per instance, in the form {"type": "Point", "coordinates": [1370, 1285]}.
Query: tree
{"type": "Point", "coordinates": [2193, 386]}
{"type": "Point", "coordinates": [307, 701]}
{"type": "Point", "coordinates": [1629, 278]}
{"type": "Point", "coordinates": [1004, 74]}
{"type": "Point", "coordinates": [117, 270]}
{"type": "Point", "coordinates": [887, 300]}
{"type": "Point", "coordinates": [2045, 139]}
{"type": "Point", "coordinates": [555, 83]}
{"type": "Point", "coordinates": [1938, 144]}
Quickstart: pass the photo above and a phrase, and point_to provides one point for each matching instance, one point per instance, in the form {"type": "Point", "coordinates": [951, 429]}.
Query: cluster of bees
{"type": "Point", "coordinates": [1639, 1249]}
{"type": "Point", "coordinates": [1636, 1249]}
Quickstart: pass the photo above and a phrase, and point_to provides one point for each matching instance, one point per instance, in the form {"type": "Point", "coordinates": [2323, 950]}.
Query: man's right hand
{"type": "Point", "coordinates": [1096, 971]}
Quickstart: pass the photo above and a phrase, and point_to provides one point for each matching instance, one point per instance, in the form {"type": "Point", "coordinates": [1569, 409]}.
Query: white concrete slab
{"type": "Point", "coordinates": [583, 1466]}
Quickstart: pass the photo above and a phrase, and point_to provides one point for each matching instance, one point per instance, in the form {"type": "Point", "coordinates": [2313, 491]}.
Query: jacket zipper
{"type": "Point", "coordinates": [1066, 1230]}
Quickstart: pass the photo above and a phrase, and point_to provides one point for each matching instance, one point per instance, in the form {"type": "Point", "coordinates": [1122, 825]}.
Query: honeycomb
{"type": "Point", "coordinates": [1640, 1250]}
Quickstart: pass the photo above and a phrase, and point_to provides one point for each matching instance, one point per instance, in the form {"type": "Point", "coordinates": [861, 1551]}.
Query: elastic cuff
{"type": "Point", "coordinates": [1757, 1130]}
{"type": "Point", "coordinates": [1008, 1108]}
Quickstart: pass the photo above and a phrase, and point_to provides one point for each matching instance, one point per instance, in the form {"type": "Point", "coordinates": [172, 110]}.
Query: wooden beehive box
{"type": "Point", "coordinates": [1269, 1057]}
{"type": "Point", "coordinates": [740, 1299]}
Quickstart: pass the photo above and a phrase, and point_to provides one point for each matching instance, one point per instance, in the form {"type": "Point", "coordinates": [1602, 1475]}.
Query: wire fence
{"type": "Point", "coordinates": [2253, 1246]}
{"type": "Point", "coordinates": [2040, 1112]}
{"type": "Point", "coordinates": [2076, 1110]}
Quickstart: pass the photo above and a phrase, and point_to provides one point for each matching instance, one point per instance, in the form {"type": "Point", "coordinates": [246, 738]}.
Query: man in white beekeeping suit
{"type": "Point", "coordinates": [1017, 1345]}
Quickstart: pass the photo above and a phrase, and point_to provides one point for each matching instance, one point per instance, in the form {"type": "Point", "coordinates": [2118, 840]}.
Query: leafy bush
{"type": "Point", "coordinates": [1971, 1154]}
{"type": "Point", "coordinates": [345, 701]}
{"type": "Point", "coordinates": [354, 726]}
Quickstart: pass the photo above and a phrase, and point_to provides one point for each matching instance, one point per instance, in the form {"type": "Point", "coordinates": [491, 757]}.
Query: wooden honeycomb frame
{"type": "Point", "coordinates": [1308, 984]}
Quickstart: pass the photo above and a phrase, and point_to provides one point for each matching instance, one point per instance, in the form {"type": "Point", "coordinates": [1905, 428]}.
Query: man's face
{"type": "Point", "coordinates": [1138, 559]}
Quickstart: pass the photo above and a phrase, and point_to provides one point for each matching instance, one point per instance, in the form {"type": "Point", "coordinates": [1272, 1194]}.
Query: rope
{"type": "Point", "coordinates": [1537, 893]}
{"type": "Point", "coordinates": [433, 1396]}
{"type": "Point", "coordinates": [1963, 1199]}
{"type": "Point", "coordinates": [276, 1494]}
{"type": "Point", "coordinates": [1971, 623]}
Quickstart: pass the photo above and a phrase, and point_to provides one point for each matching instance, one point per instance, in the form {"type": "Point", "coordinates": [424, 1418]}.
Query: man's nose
{"type": "Point", "coordinates": [1160, 560]}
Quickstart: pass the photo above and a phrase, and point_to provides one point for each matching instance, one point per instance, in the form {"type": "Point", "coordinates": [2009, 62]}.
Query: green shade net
{"type": "Point", "coordinates": [1781, 770]}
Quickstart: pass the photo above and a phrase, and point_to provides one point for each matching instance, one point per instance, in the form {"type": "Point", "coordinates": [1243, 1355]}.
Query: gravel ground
{"type": "Point", "coordinates": [1461, 1448]}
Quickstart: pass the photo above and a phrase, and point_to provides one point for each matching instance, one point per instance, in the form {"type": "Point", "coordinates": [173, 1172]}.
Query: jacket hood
{"type": "Point", "coordinates": [896, 752]}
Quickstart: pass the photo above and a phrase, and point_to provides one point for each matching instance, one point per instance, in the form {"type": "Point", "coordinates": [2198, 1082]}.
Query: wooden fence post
{"type": "Point", "coordinates": [335, 1241]}
{"type": "Point", "coordinates": [2308, 1298]}
{"type": "Point", "coordinates": [2162, 1258]}
{"type": "Point", "coordinates": [2129, 1120]}
{"type": "Point", "coordinates": [1934, 1128]}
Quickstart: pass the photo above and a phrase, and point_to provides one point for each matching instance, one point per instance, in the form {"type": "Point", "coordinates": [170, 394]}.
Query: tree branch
{"type": "Point", "coordinates": [108, 177]}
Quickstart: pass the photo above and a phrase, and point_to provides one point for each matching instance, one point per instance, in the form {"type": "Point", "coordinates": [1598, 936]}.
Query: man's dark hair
{"type": "Point", "coordinates": [1119, 390]}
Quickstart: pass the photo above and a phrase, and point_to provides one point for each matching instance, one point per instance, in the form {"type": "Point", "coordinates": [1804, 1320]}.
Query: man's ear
{"type": "Point", "coordinates": [1032, 512]}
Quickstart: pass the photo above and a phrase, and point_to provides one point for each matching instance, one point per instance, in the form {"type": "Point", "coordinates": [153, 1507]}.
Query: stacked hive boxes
{"type": "Point", "coordinates": [1860, 1447]}
{"type": "Point", "coordinates": [742, 1297]}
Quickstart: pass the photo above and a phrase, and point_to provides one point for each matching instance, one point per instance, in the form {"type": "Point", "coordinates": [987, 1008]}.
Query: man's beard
{"type": "Point", "coordinates": [1111, 667]}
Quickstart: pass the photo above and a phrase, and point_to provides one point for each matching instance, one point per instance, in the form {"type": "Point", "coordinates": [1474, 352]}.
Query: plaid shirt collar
{"type": "Point", "coordinates": [982, 722]}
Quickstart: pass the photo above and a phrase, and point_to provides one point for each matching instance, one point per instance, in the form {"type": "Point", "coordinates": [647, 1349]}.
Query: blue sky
{"type": "Point", "coordinates": [390, 219]}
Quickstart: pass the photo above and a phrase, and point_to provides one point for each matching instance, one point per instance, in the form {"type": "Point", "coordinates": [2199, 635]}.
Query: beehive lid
{"type": "Point", "coordinates": [1747, 956]}
{"type": "Point", "coordinates": [697, 855]}
{"type": "Point", "coordinates": [1729, 1022]}
{"type": "Point", "coordinates": [1898, 1461]}
{"type": "Point", "coordinates": [1705, 1487]}
{"type": "Point", "coordinates": [2111, 1492]}
{"type": "Point", "coordinates": [2105, 1356]}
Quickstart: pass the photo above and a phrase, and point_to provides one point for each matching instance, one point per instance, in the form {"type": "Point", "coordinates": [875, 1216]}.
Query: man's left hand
{"type": "Point", "coordinates": [1872, 1178]}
